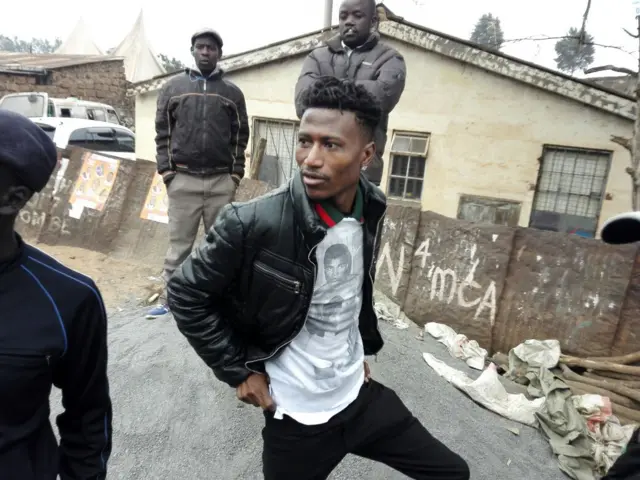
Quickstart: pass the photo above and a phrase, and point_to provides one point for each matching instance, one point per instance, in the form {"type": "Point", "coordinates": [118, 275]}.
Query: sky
{"type": "Point", "coordinates": [249, 24]}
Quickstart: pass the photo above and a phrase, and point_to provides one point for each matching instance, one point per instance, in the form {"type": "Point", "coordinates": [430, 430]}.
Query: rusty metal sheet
{"type": "Point", "coordinates": [396, 251]}
{"type": "Point", "coordinates": [627, 338]}
{"type": "Point", "coordinates": [457, 274]}
{"type": "Point", "coordinates": [563, 287]}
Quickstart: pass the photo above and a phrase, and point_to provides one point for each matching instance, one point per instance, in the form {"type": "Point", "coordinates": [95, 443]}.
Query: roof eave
{"type": "Point", "coordinates": [496, 62]}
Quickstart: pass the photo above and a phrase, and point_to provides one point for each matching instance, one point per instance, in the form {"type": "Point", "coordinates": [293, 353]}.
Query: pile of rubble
{"type": "Point", "coordinates": [615, 378]}
{"type": "Point", "coordinates": [587, 408]}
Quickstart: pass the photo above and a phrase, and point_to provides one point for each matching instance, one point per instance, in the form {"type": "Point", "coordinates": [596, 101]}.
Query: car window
{"type": "Point", "coordinates": [48, 129]}
{"type": "Point", "coordinates": [112, 117]}
{"type": "Point", "coordinates": [126, 141]}
{"type": "Point", "coordinates": [96, 114]}
{"type": "Point", "coordinates": [81, 138]}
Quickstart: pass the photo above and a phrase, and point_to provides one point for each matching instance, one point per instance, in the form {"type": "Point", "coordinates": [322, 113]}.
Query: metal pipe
{"type": "Point", "coordinates": [328, 13]}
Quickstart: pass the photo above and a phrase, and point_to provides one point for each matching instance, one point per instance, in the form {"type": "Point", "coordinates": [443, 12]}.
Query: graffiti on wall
{"type": "Point", "coordinates": [450, 284]}
{"type": "Point", "coordinates": [156, 204]}
{"type": "Point", "coordinates": [94, 184]}
{"type": "Point", "coordinates": [36, 211]}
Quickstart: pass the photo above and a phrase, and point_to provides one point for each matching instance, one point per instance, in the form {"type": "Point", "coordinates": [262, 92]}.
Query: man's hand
{"type": "Point", "coordinates": [255, 391]}
{"type": "Point", "coordinates": [367, 372]}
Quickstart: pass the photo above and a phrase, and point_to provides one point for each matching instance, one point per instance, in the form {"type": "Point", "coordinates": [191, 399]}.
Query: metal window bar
{"type": "Point", "coordinates": [282, 138]}
{"type": "Point", "coordinates": [413, 149]}
{"type": "Point", "coordinates": [406, 177]}
{"type": "Point", "coordinates": [572, 181]}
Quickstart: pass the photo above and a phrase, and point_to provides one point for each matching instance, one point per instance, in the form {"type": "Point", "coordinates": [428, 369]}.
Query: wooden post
{"type": "Point", "coordinates": [256, 158]}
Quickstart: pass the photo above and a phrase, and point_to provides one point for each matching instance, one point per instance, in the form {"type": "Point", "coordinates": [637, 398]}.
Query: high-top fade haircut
{"type": "Point", "coordinates": [344, 95]}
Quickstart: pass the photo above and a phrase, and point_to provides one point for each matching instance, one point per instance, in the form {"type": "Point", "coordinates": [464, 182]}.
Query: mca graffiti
{"type": "Point", "coordinates": [443, 284]}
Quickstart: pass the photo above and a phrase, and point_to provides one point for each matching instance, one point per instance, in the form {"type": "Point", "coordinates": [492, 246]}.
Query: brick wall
{"type": "Point", "coordinates": [103, 82]}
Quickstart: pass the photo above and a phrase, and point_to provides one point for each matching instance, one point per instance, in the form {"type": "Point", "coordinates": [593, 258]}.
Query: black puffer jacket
{"type": "Point", "coordinates": [374, 65]}
{"type": "Point", "coordinates": [243, 294]}
{"type": "Point", "coordinates": [201, 125]}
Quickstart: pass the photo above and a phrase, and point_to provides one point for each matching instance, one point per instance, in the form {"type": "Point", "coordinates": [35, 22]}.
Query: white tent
{"type": "Point", "coordinates": [79, 42]}
{"type": "Point", "coordinates": [140, 61]}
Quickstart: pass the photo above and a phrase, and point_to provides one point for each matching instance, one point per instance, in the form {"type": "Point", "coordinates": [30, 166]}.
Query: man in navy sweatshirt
{"type": "Point", "coordinates": [53, 332]}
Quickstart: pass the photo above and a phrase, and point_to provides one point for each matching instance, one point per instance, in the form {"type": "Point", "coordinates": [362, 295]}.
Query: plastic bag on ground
{"type": "Point", "coordinates": [459, 345]}
{"type": "Point", "coordinates": [489, 392]}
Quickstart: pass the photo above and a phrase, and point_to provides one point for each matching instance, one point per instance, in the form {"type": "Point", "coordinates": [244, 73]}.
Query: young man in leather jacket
{"type": "Point", "coordinates": [278, 302]}
{"type": "Point", "coordinates": [621, 229]}
{"type": "Point", "coordinates": [357, 54]}
{"type": "Point", "coordinates": [202, 132]}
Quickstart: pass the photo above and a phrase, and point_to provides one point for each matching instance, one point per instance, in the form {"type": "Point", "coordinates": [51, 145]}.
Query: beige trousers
{"type": "Point", "coordinates": [193, 198]}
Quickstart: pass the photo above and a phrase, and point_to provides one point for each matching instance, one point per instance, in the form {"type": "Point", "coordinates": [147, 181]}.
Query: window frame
{"type": "Point", "coordinates": [410, 154]}
{"type": "Point", "coordinates": [272, 120]}
{"type": "Point", "coordinates": [551, 148]}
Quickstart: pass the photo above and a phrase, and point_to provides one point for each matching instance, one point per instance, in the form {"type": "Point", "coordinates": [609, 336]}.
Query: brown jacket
{"type": "Point", "coordinates": [376, 66]}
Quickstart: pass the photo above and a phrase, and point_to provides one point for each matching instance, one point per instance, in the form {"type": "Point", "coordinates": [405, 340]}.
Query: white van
{"type": "Point", "coordinates": [101, 137]}
{"type": "Point", "coordinates": [40, 105]}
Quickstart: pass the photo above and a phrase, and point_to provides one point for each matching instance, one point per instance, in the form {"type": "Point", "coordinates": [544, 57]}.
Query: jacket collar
{"type": "Point", "coordinates": [196, 73]}
{"type": "Point", "coordinates": [16, 259]}
{"type": "Point", "coordinates": [313, 229]}
{"type": "Point", "coordinates": [336, 46]}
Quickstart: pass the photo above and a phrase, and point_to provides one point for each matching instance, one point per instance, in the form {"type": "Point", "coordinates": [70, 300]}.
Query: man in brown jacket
{"type": "Point", "coordinates": [357, 54]}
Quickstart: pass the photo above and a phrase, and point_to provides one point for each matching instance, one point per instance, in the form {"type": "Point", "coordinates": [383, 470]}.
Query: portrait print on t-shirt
{"type": "Point", "coordinates": [333, 342]}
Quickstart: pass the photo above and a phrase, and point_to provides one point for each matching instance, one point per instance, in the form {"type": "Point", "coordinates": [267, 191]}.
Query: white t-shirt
{"type": "Point", "coordinates": [322, 370]}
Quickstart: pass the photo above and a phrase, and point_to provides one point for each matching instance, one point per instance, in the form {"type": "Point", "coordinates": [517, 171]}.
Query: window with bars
{"type": "Point", "coordinates": [279, 161]}
{"type": "Point", "coordinates": [570, 190]}
{"type": "Point", "coordinates": [408, 163]}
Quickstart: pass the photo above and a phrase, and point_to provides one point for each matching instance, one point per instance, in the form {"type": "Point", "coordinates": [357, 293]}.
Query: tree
{"type": "Point", "coordinates": [488, 32]}
{"type": "Point", "coordinates": [575, 51]}
{"type": "Point", "coordinates": [35, 45]}
{"type": "Point", "coordinates": [171, 64]}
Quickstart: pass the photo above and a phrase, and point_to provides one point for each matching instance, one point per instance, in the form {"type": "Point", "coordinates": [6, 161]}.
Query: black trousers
{"type": "Point", "coordinates": [627, 467]}
{"type": "Point", "coordinates": [377, 426]}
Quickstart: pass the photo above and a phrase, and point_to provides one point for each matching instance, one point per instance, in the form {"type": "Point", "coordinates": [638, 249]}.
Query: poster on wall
{"type": "Point", "coordinates": [157, 203]}
{"type": "Point", "coordinates": [94, 184]}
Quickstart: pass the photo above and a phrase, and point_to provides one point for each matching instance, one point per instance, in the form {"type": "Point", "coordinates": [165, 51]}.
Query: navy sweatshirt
{"type": "Point", "coordinates": [53, 332]}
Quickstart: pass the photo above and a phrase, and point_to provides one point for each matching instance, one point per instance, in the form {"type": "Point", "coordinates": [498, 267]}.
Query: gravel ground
{"type": "Point", "coordinates": [172, 419]}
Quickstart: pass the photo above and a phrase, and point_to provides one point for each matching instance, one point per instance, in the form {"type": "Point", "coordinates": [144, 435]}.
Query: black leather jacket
{"type": "Point", "coordinates": [244, 294]}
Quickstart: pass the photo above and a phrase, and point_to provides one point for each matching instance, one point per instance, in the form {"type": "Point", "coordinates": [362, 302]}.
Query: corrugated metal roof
{"type": "Point", "coordinates": [28, 61]}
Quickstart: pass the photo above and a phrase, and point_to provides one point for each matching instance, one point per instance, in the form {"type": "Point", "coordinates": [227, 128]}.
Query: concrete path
{"type": "Point", "coordinates": [174, 420]}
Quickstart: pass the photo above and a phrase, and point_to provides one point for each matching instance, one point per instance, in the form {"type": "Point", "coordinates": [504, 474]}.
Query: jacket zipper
{"type": "Point", "coordinates": [246, 364]}
{"type": "Point", "coordinates": [28, 356]}
{"type": "Point", "coordinates": [373, 252]}
{"type": "Point", "coordinates": [284, 281]}
{"type": "Point", "coordinates": [204, 114]}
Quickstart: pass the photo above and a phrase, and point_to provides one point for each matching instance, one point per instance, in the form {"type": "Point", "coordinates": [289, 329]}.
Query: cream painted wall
{"type": "Point", "coordinates": [487, 131]}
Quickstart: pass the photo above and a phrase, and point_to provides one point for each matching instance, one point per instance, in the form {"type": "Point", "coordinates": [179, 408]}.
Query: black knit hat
{"type": "Point", "coordinates": [27, 150]}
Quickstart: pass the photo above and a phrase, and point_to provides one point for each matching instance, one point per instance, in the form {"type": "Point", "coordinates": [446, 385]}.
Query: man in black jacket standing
{"type": "Point", "coordinates": [202, 133]}
{"type": "Point", "coordinates": [278, 302]}
{"type": "Point", "coordinates": [53, 331]}
{"type": "Point", "coordinates": [357, 54]}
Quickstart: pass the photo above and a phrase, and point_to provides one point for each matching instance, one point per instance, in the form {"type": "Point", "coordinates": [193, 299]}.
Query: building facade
{"type": "Point", "coordinates": [97, 78]}
{"type": "Point", "coordinates": [477, 135]}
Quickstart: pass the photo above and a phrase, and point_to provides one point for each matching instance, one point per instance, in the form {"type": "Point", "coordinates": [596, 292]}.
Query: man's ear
{"type": "Point", "coordinates": [375, 23]}
{"type": "Point", "coordinates": [368, 154]}
{"type": "Point", "coordinates": [14, 200]}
